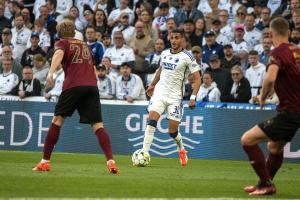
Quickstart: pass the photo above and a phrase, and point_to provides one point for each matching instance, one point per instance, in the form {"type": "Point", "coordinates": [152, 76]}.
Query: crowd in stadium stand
{"type": "Point", "coordinates": [229, 39]}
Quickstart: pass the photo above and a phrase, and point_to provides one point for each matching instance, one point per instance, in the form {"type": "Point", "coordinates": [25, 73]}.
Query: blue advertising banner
{"type": "Point", "coordinates": [210, 131]}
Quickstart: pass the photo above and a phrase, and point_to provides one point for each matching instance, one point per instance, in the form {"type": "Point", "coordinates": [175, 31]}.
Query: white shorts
{"type": "Point", "coordinates": [172, 108]}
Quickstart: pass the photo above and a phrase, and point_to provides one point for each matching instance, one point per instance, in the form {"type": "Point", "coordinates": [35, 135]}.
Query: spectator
{"type": "Point", "coordinates": [189, 11]}
{"type": "Point", "coordinates": [51, 5]}
{"type": "Point", "coordinates": [124, 27]}
{"type": "Point", "coordinates": [74, 12]}
{"type": "Point", "coordinates": [27, 57]}
{"type": "Point", "coordinates": [197, 53]}
{"type": "Point", "coordinates": [220, 75]}
{"type": "Point", "coordinates": [80, 5]}
{"type": "Point", "coordinates": [274, 5]}
{"type": "Point", "coordinates": [264, 55]}
{"type": "Point", "coordinates": [8, 79]}
{"type": "Point", "coordinates": [255, 73]}
{"type": "Point", "coordinates": [160, 21]}
{"type": "Point", "coordinates": [225, 26]}
{"type": "Point", "coordinates": [252, 35]}
{"type": "Point", "coordinates": [40, 69]}
{"type": "Point", "coordinates": [171, 24]}
{"type": "Point", "coordinates": [6, 39]}
{"type": "Point", "coordinates": [20, 36]}
{"type": "Point", "coordinates": [230, 59]}
{"type": "Point", "coordinates": [4, 22]}
{"type": "Point", "coordinates": [16, 66]}
{"type": "Point", "coordinates": [265, 17]}
{"type": "Point", "coordinates": [142, 45]}
{"type": "Point", "coordinates": [109, 70]}
{"type": "Point", "coordinates": [36, 7]}
{"type": "Point", "coordinates": [189, 28]}
{"type": "Point", "coordinates": [214, 14]}
{"type": "Point", "coordinates": [50, 23]}
{"type": "Point", "coordinates": [198, 35]}
{"type": "Point", "coordinates": [129, 86]}
{"type": "Point", "coordinates": [204, 7]}
{"type": "Point", "coordinates": [113, 17]}
{"type": "Point", "coordinates": [295, 22]}
{"type": "Point", "coordinates": [171, 10]}
{"type": "Point", "coordinates": [44, 37]}
{"type": "Point", "coordinates": [146, 18]}
{"type": "Point", "coordinates": [106, 40]}
{"type": "Point", "coordinates": [287, 8]}
{"type": "Point", "coordinates": [119, 53]}
{"type": "Point", "coordinates": [96, 47]}
{"type": "Point", "coordinates": [63, 7]}
{"type": "Point", "coordinates": [78, 34]}
{"type": "Point", "coordinates": [232, 6]}
{"type": "Point", "coordinates": [220, 38]}
{"type": "Point", "coordinates": [100, 21]}
{"type": "Point", "coordinates": [239, 45]}
{"type": "Point", "coordinates": [53, 93]}
{"type": "Point", "coordinates": [211, 47]}
{"type": "Point", "coordinates": [88, 14]}
{"type": "Point", "coordinates": [265, 34]}
{"type": "Point", "coordinates": [28, 86]}
{"type": "Point", "coordinates": [106, 84]}
{"type": "Point", "coordinates": [188, 87]}
{"type": "Point", "coordinates": [15, 8]}
{"type": "Point", "coordinates": [208, 91]}
{"type": "Point", "coordinates": [240, 16]}
{"type": "Point", "coordinates": [153, 60]}
{"type": "Point", "coordinates": [26, 15]}
{"type": "Point", "coordinates": [101, 5]}
{"type": "Point", "coordinates": [239, 91]}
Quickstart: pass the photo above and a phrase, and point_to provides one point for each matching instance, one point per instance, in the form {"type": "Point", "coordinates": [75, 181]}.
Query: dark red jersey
{"type": "Point", "coordinates": [287, 84]}
{"type": "Point", "coordinates": [77, 63]}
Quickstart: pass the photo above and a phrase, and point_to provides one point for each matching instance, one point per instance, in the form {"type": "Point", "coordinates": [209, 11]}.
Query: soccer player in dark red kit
{"type": "Point", "coordinates": [80, 92]}
{"type": "Point", "coordinates": [283, 76]}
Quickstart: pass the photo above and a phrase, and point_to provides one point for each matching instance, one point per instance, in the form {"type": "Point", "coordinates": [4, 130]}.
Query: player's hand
{"type": "Point", "coordinates": [262, 103]}
{"type": "Point", "coordinates": [50, 81]}
{"type": "Point", "coordinates": [192, 104]}
{"type": "Point", "coordinates": [150, 90]}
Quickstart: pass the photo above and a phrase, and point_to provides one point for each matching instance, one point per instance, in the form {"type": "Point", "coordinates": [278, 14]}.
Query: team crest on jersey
{"type": "Point", "coordinates": [176, 60]}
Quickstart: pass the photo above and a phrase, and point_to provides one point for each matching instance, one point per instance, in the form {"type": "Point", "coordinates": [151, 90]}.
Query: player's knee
{"type": "Point", "coordinates": [274, 148]}
{"type": "Point", "coordinates": [173, 134]}
{"type": "Point", "coordinates": [152, 122]}
{"type": "Point", "coordinates": [245, 139]}
{"type": "Point", "coordinates": [58, 120]}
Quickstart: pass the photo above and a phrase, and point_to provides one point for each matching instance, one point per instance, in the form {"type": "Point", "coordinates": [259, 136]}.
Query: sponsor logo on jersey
{"type": "Point", "coordinates": [169, 66]}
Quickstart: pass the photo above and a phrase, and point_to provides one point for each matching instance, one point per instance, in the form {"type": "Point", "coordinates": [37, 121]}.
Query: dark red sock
{"type": "Point", "coordinates": [274, 163]}
{"type": "Point", "coordinates": [51, 140]}
{"type": "Point", "coordinates": [257, 160]}
{"type": "Point", "coordinates": [104, 142]}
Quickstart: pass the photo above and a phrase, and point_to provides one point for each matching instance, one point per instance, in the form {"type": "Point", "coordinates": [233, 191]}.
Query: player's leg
{"type": "Point", "coordinates": [104, 143]}
{"type": "Point", "coordinates": [150, 129]}
{"type": "Point", "coordinates": [175, 134]}
{"type": "Point", "coordinates": [250, 141]}
{"type": "Point", "coordinates": [275, 157]}
{"type": "Point", "coordinates": [156, 108]}
{"type": "Point", "coordinates": [50, 142]}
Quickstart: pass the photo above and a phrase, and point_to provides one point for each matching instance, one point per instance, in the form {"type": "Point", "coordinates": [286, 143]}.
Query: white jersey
{"type": "Point", "coordinates": [7, 82]}
{"type": "Point", "coordinates": [255, 76]}
{"type": "Point", "coordinates": [44, 40]}
{"type": "Point", "coordinates": [175, 68]}
{"type": "Point", "coordinates": [19, 40]}
{"type": "Point", "coordinates": [252, 37]}
{"type": "Point", "coordinates": [121, 55]}
{"type": "Point", "coordinates": [36, 7]}
{"type": "Point", "coordinates": [107, 87]}
{"type": "Point", "coordinates": [115, 14]}
{"type": "Point", "coordinates": [128, 32]}
{"type": "Point", "coordinates": [133, 87]}
{"type": "Point", "coordinates": [63, 7]}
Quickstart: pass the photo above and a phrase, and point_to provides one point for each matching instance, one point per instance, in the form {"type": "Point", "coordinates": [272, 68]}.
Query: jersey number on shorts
{"type": "Point", "coordinates": [80, 55]}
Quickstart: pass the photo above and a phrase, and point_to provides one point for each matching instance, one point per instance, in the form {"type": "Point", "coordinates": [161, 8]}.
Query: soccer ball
{"type": "Point", "coordinates": [140, 158]}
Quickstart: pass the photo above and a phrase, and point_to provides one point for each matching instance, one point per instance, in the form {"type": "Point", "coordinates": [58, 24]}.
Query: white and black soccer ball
{"type": "Point", "coordinates": [140, 158]}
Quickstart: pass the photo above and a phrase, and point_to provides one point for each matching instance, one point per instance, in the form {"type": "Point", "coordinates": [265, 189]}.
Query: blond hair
{"type": "Point", "coordinates": [66, 29]}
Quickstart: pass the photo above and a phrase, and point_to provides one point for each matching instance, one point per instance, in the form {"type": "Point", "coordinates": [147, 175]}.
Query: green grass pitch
{"type": "Point", "coordinates": [86, 176]}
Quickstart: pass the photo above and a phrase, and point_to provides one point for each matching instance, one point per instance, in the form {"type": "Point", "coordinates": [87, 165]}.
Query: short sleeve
{"type": "Point", "coordinates": [274, 59]}
{"type": "Point", "coordinates": [193, 65]}
{"type": "Point", "coordinates": [60, 44]}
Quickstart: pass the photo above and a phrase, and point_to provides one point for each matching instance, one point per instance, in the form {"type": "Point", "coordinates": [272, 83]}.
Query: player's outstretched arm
{"type": "Point", "coordinates": [268, 84]}
{"type": "Point", "coordinates": [197, 83]}
{"type": "Point", "coordinates": [55, 65]}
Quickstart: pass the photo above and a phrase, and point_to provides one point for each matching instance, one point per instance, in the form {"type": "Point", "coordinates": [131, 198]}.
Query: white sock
{"type": "Point", "coordinates": [148, 138]}
{"type": "Point", "coordinates": [44, 161]}
{"type": "Point", "coordinates": [179, 142]}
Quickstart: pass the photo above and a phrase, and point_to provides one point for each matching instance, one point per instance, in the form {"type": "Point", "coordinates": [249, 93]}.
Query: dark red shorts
{"type": "Point", "coordinates": [84, 99]}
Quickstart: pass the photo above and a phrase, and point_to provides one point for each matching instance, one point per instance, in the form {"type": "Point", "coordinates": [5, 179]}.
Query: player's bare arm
{"type": "Point", "coordinates": [268, 84]}
{"type": "Point", "coordinates": [197, 83]}
{"type": "Point", "coordinates": [55, 65]}
{"type": "Point", "coordinates": [150, 89]}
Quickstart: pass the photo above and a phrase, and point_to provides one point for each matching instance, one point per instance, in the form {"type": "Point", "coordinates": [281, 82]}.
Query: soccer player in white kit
{"type": "Point", "coordinates": [167, 89]}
